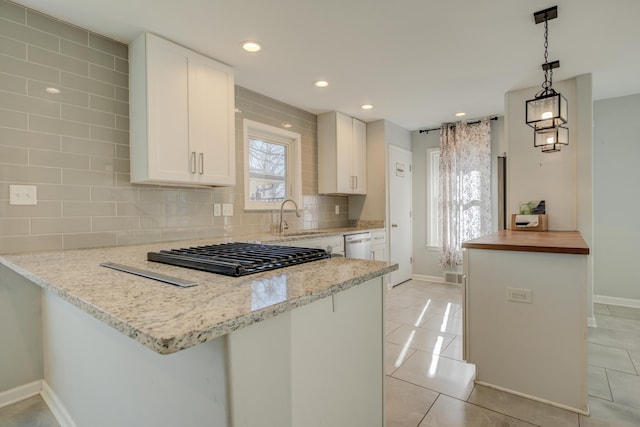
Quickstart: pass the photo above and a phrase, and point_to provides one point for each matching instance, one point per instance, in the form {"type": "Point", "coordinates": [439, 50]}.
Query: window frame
{"type": "Point", "coordinates": [293, 142]}
{"type": "Point", "coordinates": [433, 240]}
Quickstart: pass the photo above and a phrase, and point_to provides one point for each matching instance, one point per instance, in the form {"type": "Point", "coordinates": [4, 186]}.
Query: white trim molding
{"type": "Point", "coordinates": [425, 278]}
{"type": "Point", "coordinates": [19, 393]}
{"type": "Point", "coordinates": [625, 302]}
{"type": "Point", "coordinates": [56, 407]}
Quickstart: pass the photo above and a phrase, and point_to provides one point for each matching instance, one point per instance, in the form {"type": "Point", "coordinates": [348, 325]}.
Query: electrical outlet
{"type": "Point", "coordinates": [217, 209]}
{"type": "Point", "coordinates": [337, 209]}
{"type": "Point", "coordinates": [23, 195]}
{"type": "Point", "coordinates": [519, 295]}
{"type": "Point", "coordinates": [227, 209]}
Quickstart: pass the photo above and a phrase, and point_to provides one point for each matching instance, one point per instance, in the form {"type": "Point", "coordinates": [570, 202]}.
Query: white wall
{"type": "Point", "coordinates": [20, 331]}
{"type": "Point", "coordinates": [616, 154]}
{"type": "Point", "coordinates": [380, 134]}
{"type": "Point", "coordinates": [563, 179]}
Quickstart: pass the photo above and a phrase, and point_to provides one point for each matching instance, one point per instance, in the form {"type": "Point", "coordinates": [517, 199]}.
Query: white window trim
{"type": "Point", "coordinates": [433, 184]}
{"type": "Point", "coordinates": [293, 141]}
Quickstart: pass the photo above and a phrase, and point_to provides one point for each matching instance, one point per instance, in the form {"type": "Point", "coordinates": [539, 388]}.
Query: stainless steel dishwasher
{"type": "Point", "coordinates": [358, 245]}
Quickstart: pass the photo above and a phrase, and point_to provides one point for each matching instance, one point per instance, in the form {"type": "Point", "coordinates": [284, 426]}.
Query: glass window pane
{"type": "Point", "coordinates": [267, 171]}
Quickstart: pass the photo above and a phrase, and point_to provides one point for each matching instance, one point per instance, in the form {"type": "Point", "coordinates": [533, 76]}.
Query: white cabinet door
{"type": "Point", "coordinates": [182, 117]}
{"type": "Point", "coordinates": [211, 121]}
{"type": "Point", "coordinates": [359, 157]}
{"type": "Point", "coordinates": [342, 154]}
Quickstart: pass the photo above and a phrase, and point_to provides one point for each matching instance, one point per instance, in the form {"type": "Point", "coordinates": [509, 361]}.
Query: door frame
{"type": "Point", "coordinates": [389, 168]}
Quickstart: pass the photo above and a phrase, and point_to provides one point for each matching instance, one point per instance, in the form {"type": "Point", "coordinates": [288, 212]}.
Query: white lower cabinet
{"type": "Point", "coordinates": [379, 245]}
{"type": "Point", "coordinates": [318, 365]}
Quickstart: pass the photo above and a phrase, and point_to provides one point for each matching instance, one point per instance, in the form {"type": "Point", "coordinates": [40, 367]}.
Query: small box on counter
{"type": "Point", "coordinates": [529, 222]}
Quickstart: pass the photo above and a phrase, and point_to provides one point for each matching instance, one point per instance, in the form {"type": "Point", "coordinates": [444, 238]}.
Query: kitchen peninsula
{"type": "Point", "coordinates": [295, 346]}
{"type": "Point", "coordinates": [525, 317]}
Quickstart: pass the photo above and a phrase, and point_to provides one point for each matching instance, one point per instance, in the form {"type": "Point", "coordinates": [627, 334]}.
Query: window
{"type": "Point", "coordinates": [272, 171]}
{"type": "Point", "coordinates": [433, 175]}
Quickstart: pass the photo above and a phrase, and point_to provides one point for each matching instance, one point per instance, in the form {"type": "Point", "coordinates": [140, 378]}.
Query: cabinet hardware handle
{"type": "Point", "coordinates": [193, 162]}
{"type": "Point", "coordinates": [394, 225]}
{"type": "Point", "coordinates": [356, 177]}
{"type": "Point", "coordinates": [201, 163]}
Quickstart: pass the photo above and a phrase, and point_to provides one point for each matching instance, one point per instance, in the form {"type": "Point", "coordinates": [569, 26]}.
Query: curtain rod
{"type": "Point", "coordinates": [469, 123]}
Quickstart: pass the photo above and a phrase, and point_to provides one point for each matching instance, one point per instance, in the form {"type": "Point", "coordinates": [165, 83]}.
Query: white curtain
{"type": "Point", "coordinates": [464, 200]}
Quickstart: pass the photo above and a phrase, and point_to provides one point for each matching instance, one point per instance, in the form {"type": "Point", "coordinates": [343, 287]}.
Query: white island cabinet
{"type": "Point", "coordinates": [182, 115]}
{"type": "Point", "coordinates": [525, 314]}
{"type": "Point", "coordinates": [342, 154]}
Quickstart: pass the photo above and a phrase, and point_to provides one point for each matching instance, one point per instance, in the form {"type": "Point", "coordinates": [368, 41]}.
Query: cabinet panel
{"type": "Point", "coordinates": [182, 116]}
{"type": "Point", "coordinates": [342, 155]}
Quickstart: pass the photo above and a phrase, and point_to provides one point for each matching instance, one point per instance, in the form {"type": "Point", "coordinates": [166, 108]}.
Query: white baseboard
{"type": "Point", "coordinates": [425, 278]}
{"type": "Point", "coordinates": [625, 302]}
{"type": "Point", "coordinates": [57, 409]}
{"type": "Point", "coordinates": [20, 393]}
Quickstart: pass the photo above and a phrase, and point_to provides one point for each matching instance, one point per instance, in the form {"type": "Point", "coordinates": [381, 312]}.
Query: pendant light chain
{"type": "Point", "coordinates": [548, 72]}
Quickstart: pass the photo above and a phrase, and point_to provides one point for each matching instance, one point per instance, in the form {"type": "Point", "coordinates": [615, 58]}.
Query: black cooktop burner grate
{"type": "Point", "coordinates": [237, 259]}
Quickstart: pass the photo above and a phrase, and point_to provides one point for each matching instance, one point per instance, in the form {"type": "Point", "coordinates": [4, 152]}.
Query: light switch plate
{"type": "Point", "coordinates": [337, 209]}
{"type": "Point", "coordinates": [23, 195]}
{"type": "Point", "coordinates": [227, 209]}
{"type": "Point", "coordinates": [217, 209]}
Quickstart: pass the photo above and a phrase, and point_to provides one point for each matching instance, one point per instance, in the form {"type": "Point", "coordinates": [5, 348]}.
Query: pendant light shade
{"type": "Point", "coordinates": [546, 138]}
{"type": "Point", "coordinates": [547, 111]}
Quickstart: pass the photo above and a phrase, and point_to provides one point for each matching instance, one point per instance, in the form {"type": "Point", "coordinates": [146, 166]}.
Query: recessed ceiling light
{"type": "Point", "coordinates": [321, 83]}
{"type": "Point", "coordinates": [366, 106]}
{"type": "Point", "coordinates": [460, 114]}
{"type": "Point", "coordinates": [53, 90]}
{"type": "Point", "coordinates": [251, 46]}
{"type": "Point", "coordinates": [286, 125]}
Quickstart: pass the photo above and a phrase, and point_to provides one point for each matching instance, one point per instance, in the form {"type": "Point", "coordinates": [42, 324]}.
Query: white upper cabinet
{"type": "Point", "coordinates": [182, 115]}
{"type": "Point", "coordinates": [342, 154]}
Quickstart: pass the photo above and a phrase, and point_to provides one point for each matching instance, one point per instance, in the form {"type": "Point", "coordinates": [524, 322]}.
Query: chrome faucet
{"type": "Point", "coordinates": [283, 224]}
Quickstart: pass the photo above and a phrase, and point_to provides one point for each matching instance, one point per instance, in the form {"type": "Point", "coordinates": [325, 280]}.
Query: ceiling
{"type": "Point", "coordinates": [417, 61]}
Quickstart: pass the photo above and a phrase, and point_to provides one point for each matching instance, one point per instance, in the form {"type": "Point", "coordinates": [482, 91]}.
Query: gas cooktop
{"type": "Point", "coordinates": [237, 259]}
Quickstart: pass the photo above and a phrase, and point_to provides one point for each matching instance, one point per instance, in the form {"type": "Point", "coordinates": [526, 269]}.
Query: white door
{"type": "Point", "coordinates": [400, 238]}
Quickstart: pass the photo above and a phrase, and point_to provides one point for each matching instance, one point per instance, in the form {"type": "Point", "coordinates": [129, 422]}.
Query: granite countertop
{"type": "Point", "coordinates": [169, 318]}
{"type": "Point", "coordinates": [562, 242]}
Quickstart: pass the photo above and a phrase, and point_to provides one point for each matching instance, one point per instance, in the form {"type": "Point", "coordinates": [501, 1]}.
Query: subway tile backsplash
{"type": "Point", "coordinates": [74, 146]}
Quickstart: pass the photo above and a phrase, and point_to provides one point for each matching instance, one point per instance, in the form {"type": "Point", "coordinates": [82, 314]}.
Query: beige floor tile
{"type": "Point", "coordinates": [524, 409]}
{"type": "Point", "coordinates": [449, 412]}
{"type": "Point", "coordinates": [30, 412]}
{"type": "Point", "coordinates": [395, 356]}
{"type": "Point", "coordinates": [406, 404]}
{"type": "Point", "coordinates": [450, 322]}
{"type": "Point", "coordinates": [437, 373]}
{"type": "Point", "coordinates": [610, 357]}
{"type": "Point", "coordinates": [635, 358]}
{"type": "Point", "coordinates": [609, 414]}
{"type": "Point", "coordinates": [613, 338]}
{"type": "Point", "coordinates": [618, 323]}
{"type": "Point", "coordinates": [599, 383]}
{"type": "Point", "coordinates": [601, 309]}
{"type": "Point", "coordinates": [624, 312]}
{"type": "Point", "coordinates": [390, 326]}
{"type": "Point", "coordinates": [454, 350]}
{"type": "Point", "coordinates": [434, 305]}
{"type": "Point", "coordinates": [405, 316]}
{"type": "Point", "coordinates": [427, 340]}
{"type": "Point", "coordinates": [625, 388]}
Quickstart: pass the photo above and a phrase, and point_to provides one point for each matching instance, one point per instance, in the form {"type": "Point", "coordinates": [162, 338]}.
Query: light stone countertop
{"type": "Point", "coordinates": [169, 318]}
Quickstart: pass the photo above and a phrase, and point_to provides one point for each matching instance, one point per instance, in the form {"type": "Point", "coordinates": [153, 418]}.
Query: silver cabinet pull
{"type": "Point", "coordinates": [201, 163]}
{"type": "Point", "coordinates": [394, 225]}
{"type": "Point", "coordinates": [356, 177]}
{"type": "Point", "coordinates": [193, 162]}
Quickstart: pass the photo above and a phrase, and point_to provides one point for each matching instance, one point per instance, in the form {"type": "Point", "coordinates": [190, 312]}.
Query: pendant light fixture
{"type": "Point", "coordinates": [547, 112]}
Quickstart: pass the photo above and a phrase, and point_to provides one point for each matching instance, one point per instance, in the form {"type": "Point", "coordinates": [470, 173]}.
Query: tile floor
{"type": "Point", "coordinates": [428, 385]}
